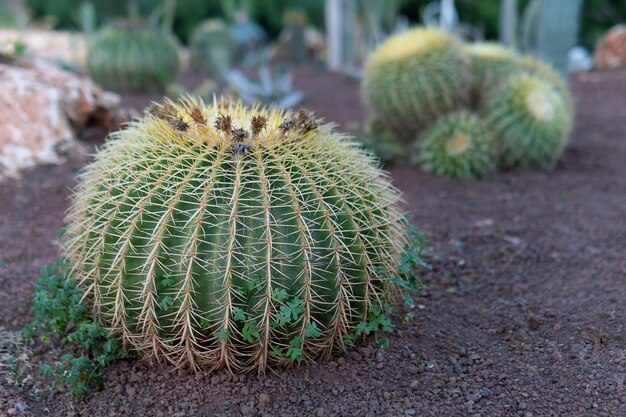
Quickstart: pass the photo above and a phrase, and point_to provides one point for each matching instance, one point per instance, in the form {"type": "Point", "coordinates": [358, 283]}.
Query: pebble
{"type": "Point", "coordinates": [130, 391]}
{"type": "Point", "coordinates": [264, 399]}
{"type": "Point", "coordinates": [355, 356]}
{"type": "Point", "coordinates": [320, 412]}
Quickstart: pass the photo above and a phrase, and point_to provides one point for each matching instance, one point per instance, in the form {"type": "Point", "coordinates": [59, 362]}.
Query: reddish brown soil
{"type": "Point", "coordinates": [524, 312]}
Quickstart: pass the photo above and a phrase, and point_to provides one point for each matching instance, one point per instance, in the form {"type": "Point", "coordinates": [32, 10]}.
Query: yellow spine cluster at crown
{"type": "Point", "coordinates": [191, 122]}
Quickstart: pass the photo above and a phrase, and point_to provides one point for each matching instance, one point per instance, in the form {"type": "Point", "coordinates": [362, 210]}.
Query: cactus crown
{"type": "Point", "coordinates": [490, 50]}
{"type": "Point", "coordinates": [411, 43]}
{"type": "Point", "coordinates": [218, 235]}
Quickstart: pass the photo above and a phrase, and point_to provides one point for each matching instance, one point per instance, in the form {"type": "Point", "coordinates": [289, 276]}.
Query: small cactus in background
{"type": "Point", "coordinates": [132, 57]}
{"type": "Point", "coordinates": [220, 236]}
{"type": "Point", "coordinates": [459, 145]}
{"type": "Point", "coordinates": [213, 48]}
{"type": "Point", "coordinates": [490, 64]}
{"type": "Point", "coordinates": [414, 78]}
{"type": "Point", "coordinates": [541, 69]}
{"type": "Point", "coordinates": [530, 120]}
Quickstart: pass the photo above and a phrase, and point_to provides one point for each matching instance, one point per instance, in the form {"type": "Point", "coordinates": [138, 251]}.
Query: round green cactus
{"type": "Point", "coordinates": [459, 145]}
{"type": "Point", "coordinates": [219, 236]}
{"type": "Point", "coordinates": [490, 64]}
{"type": "Point", "coordinates": [531, 121]}
{"type": "Point", "coordinates": [414, 78]}
{"type": "Point", "coordinates": [213, 47]}
{"type": "Point", "coordinates": [131, 57]}
{"type": "Point", "coordinates": [540, 69]}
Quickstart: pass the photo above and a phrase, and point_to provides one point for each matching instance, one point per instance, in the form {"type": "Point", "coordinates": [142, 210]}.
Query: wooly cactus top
{"type": "Point", "coordinates": [218, 235]}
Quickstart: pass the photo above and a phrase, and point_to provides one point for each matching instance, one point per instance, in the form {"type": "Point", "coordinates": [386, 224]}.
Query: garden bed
{"type": "Point", "coordinates": [523, 313]}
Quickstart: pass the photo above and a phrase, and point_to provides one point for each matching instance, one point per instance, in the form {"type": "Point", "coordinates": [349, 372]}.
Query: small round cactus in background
{"type": "Point", "coordinates": [132, 57]}
{"type": "Point", "coordinates": [531, 121]}
{"type": "Point", "coordinates": [213, 48]}
{"type": "Point", "coordinates": [459, 145]}
{"type": "Point", "coordinates": [414, 78]}
{"type": "Point", "coordinates": [533, 66]}
{"type": "Point", "coordinates": [221, 236]}
{"type": "Point", "coordinates": [491, 64]}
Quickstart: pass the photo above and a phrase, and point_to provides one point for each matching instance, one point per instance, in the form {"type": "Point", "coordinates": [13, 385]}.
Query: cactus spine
{"type": "Point", "coordinates": [219, 236]}
{"type": "Point", "coordinates": [414, 78]}
{"type": "Point", "coordinates": [459, 145]}
{"type": "Point", "coordinates": [531, 121]}
{"type": "Point", "coordinates": [130, 57]}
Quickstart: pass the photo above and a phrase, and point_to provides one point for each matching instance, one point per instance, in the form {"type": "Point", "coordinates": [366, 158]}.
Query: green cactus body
{"type": "Point", "coordinates": [414, 78]}
{"type": "Point", "coordinates": [127, 58]}
{"type": "Point", "coordinates": [490, 64]}
{"type": "Point", "coordinates": [219, 236]}
{"type": "Point", "coordinates": [530, 120]}
{"type": "Point", "coordinates": [538, 68]}
{"type": "Point", "coordinates": [459, 145]}
{"type": "Point", "coordinates": [213, 47]}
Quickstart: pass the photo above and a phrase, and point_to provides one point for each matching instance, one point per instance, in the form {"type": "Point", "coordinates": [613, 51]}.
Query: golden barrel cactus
{"type": "Point", "coordinates": [414, 78]}
{"type": "Point", "coordinates": [221, 236]}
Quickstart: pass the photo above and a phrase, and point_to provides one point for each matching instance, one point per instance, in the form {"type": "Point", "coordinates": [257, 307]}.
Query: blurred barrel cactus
{"type": "Point", "coordinates": [220, 236]}
{"type": "Point", "coordinates": [531, 121]}
{"type": "Point", "coordinates": [414, 78]}
{"type": "Point", "coordinates": [490, 64]}
{"type": "Point", "coordinates": [540, 69]}
{"type": "Point", "coordinates": [213, 48]}
{"type": "Point", "coordinates": [131, 57]}
{"type": "Point", "coordinates": [459, 145]}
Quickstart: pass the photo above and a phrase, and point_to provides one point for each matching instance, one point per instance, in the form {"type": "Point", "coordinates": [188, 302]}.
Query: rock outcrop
{"type": "Point", "coordinates": [611, 50]}
{"type": "Point", "coordinates": [44, 109]}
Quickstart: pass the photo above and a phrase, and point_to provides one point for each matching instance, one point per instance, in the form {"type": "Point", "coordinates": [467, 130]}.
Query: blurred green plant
{"type": "Point", "coordinates": [271, 87]}
{"type": "Point", "coordinates": [381, 142]}
{"type": "Point", "coordinates": [596, 17]}
{"type": "Point", "coordinates": [14, 51]}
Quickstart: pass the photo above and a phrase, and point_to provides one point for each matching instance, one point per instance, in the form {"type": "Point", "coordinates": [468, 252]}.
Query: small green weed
{"type": "Point", "coordinates": [379, 318]}
{"type": "Point", "coordinates": [14, 357]}
{"type": "Point", "coordinates": [60, 312]}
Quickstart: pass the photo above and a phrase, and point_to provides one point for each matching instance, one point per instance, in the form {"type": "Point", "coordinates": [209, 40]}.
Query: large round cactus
{"type": "Point", "coordinates": [213, 47]}
{"type": "Point", "coordinates": [219, 236]}
{"type": "Point", "coordinates": [531, 121]}
{"type": "Point", "coordinates": [459, 145]}
{"type": "Point", "coordinates": [414, 78]}
{"type": "Point", "coordinates": [131, 57]}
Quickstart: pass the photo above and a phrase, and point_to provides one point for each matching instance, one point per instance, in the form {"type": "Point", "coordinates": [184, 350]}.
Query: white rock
{"type": "Point", "coordinates": [42, 109]}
